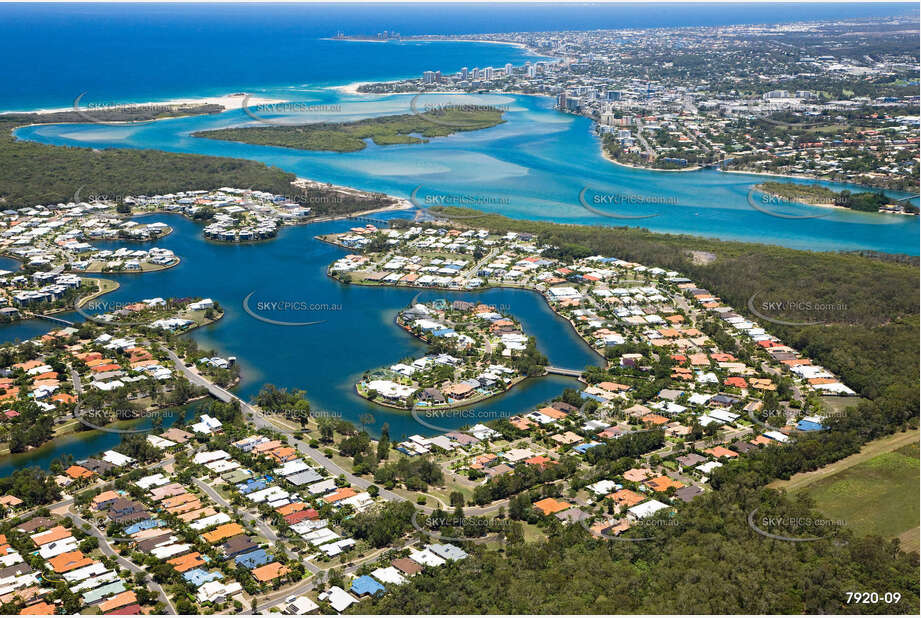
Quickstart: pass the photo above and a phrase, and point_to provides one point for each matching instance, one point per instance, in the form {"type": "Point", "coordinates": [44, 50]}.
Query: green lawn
{"type": "Point", "coordinates": [878, 496]}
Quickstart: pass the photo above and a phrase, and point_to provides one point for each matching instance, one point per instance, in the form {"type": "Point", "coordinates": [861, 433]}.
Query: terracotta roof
{"type": "Point", "coordinates": [69, 561]}
{"type": "Point", "coordinates": [539, 460]}
{"type": "Point", "coordinates": [39, 609]}
{"type": "Point", "coordinates": [78, 472]}
{"type": "Point", "coordinates": [197, 514]}
{"type": "Point", "coordinates": [119, 600]}
{"type": "Point", "coordinates": [341, 494]}
{"type": "Point", "coordinates": [55, 534]}
{"type": "Point", "coordinates": [185, 562]}
{"type": "Point", "coordinates": [736, 381]}
{"type": "Point", "coordinates": [293, 507]}
{"type": "Point", "coordinates": [268, 572]}
{"type": "Point", "coordinates": [520, 423]}
{"type": "Point", "coordinates": [721, 451]}
{"type": "Point", "coordinates": [282, 453]}
{"type": "Point", "coordinates": [223, 532]}
{"type": "Point", "coordinates": [552, 413]}
{"type": "Point", "coordinates": [566, 438]}
{"type": "Point", "coordinates": [549, 506]}
{"type": "Point", "coordinates": [637, 474]}
{"type": "Point", "coordinates": [613, 386]}
{"type": "Point", "coordinates": [626, 497]}
{"type": "Point", "coordinates": [104, 368]}
{"type": "Point", "coordinates": [26, 366]}
{"type": "Point", "coordinates": [662, 483]}
{"type": "Point", "coordinates": [299, 516]}
{"type": "Point", "coordinates": [177, 500]}
{"type": "Point", "coordinates": [128, 610]}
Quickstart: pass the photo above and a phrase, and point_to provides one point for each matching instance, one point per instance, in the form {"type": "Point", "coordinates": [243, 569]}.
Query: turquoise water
{"type": "Point", "coordinates": [534, 166]}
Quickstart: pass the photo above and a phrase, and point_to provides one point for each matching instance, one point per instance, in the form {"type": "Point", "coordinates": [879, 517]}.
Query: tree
{"type": "Point", "coordinates": [327, 429]}
{"type": "Point", "coordinates": [383, 445]}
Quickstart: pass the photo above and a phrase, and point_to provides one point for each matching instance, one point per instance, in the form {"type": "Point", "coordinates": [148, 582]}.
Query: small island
{"type": "Point", "coordinates": [476, 353]}
{"type": "Point", "coordinates": [817, 195]}
{"type": "Point", "coordinates": [352, 136]}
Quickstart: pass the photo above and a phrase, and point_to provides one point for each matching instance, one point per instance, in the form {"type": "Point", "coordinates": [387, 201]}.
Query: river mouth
{"type": "Point", "coordinates": [536, 165]}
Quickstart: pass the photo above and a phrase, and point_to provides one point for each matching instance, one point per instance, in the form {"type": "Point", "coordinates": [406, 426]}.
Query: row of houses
{"type": "Point", "coordinates": [397, 573]}
{"type": "Point", "coordinates": [98, 587]}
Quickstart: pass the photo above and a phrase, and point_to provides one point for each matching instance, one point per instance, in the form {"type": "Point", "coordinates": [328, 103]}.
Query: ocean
{"type": "Point", "coordinates": [149, 52]}
{"type": "Point", "coordinates": [535, 166]}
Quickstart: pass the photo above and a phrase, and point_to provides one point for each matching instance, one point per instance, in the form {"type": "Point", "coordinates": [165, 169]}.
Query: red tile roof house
{"type": "Point", "coordinates": [736, 381]}
{"type": "Point", "coordinates": [721, 451]}
{"type": "Point", "coordinates": [539, 460]}
{"type": "Point", "coordinates": [300, 516]}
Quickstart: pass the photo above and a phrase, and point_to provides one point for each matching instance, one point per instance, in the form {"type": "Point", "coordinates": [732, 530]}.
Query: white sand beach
{"type": "Point", "coordinates": [350, 88]}
{"type": "Point", "coordinates": [227, 101]}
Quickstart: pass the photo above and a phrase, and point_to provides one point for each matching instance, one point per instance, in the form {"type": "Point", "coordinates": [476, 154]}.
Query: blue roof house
{"type": "Point", "coordinates": [366, 585]}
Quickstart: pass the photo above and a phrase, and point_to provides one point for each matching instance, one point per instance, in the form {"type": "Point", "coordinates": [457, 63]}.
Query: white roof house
{"type": "Point", "coordinates": [709, 467]}
{"type": "Point", "coordinates": [338, 598]}
{"type": "Point", "coordinates": [206, 457]}
{"type": "Point", "coordinates": [388, 575]}
{"type": "Point", "coordinates": [207, 522]}
{"type": "Point", "coordinates": [207, 424]}
{"type": "Point", "coordinates": [426, 557]}
{"type": "Point", "coordinates": [215, 591]}
{"type": "Point", "coordinates": [117, 459]}
{"type": "Point", "coordinates": [645, 509]}
{"type": "Point", "coordinates": [602, 487]}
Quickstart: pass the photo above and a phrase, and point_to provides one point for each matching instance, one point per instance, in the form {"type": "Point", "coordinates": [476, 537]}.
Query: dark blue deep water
{"type": "Point", "coordinates": [141, 52]}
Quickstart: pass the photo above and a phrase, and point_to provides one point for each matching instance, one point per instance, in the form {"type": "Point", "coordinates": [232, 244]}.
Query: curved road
{"type": "Point", "coordinates": [259, 420]}
{"type": "Point", "coordinates": [107, 549]}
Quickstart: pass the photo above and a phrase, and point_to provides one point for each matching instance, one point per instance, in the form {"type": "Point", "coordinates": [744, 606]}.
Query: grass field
{"type": "Point", "coordinates": [878, 494]}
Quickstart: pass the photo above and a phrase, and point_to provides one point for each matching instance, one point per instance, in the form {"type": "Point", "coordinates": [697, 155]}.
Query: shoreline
{"type": "Point", "coordinates": [99, 291]}
{"type": "Point", "coordinates": [518, 379]}
{"type": "Point", "coordinates": [424, 39]}
{"type": "Point", "coordinates": [810, 178]}
{"type": "Point", "coordinates": [534, 290]}
{"type": "Point", "coordinates": [764, 191]}
{"type": "Point", "coordinates": [72, 431]}
{"type": "Point", "coordinates": [230, 101]}
{"type": "Point", "coordinates": [309, 183]}
{"type": "Point", "coordinates": [157, 268]}
{"type": "Point", "coordinates": [607, 155]}
{"type": "Point", "coordinates": [352, 89]}
{"type": "Point", "coordinates": [458, 405]}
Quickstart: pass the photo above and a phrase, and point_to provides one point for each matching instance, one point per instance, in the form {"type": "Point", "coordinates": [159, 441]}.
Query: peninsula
{"type": "Point", "coordinates": [477, 353]}
{"type": "Point", "coordinates": [817, 195]}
